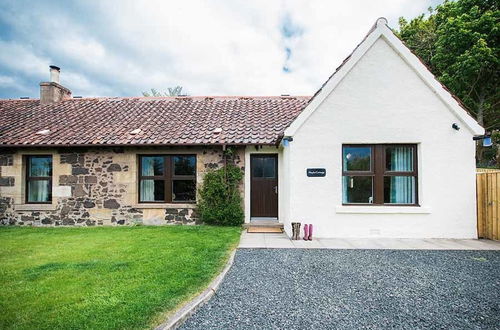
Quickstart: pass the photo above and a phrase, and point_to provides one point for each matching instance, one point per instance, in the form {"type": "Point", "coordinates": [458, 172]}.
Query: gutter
{"type": "Point", "coordinates": [130, 145]}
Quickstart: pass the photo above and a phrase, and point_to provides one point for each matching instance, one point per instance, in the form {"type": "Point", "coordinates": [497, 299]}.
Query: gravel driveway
{"type": "Point", "coordinates": [346, 289]}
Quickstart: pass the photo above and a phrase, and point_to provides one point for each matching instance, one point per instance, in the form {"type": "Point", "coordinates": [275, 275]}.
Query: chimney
{"type": "Point", "coordinates": [52, 92]}
{"type": "Point", "coordinates": [54, 73]}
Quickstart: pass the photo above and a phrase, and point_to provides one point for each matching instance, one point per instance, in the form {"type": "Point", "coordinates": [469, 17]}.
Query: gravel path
{"type": "Point", "coordinates": [352, 289]}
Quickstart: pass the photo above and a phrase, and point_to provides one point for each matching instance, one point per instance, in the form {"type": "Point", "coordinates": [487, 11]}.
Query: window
{"type": "Point", "coordinates": [379, 174]}
{"type": "Point", "coordinates": [264, 167]}
{"type": "Point", "coordinates": [38, 179]}
{"type": "Point", "coordinates": [167, 178]}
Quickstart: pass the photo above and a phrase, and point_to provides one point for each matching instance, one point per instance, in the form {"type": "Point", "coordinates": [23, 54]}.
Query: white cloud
{"type": "Point", "coordinates": [10, 82]}
{"type": "Point", "coordinates": [21, 58]}
{"type": "Point", "coordinates": [209, 47]}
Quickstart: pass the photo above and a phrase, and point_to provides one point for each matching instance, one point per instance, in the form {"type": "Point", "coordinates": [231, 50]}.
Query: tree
{"type": "Point", "coordinates": [172, 91]}
{"type": "Point", "coordinates": [459, 42]}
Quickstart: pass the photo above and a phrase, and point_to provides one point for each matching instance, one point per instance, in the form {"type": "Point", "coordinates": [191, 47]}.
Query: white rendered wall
{"type": "Point", "coordinates": [382, 100]}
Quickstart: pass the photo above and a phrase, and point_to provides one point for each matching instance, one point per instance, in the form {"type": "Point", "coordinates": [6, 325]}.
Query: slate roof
{"type": "Point", "coordinates": [155, 121]}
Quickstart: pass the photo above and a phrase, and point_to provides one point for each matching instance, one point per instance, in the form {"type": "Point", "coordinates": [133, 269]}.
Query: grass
{"type": "Point", "coordinates": [105, 278]}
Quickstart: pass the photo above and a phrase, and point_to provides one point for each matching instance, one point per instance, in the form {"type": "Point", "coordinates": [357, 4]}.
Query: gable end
{"type": "Point", "coordinates": [381, 30]}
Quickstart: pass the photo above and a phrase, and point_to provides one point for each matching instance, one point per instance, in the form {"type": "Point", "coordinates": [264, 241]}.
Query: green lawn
{"type": "Point", "coordinates": [102, 278]}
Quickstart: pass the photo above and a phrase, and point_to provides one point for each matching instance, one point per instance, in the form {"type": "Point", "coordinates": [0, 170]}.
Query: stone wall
{"type": "Point", "coordinates": [96, 186]}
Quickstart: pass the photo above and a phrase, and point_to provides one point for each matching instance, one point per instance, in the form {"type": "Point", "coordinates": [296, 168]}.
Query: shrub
{"type": "Point", "coordinates": [220, 199]}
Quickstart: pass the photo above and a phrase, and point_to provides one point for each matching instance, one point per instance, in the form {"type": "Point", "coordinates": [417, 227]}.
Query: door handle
{"type": "Point", "coordinates": [275, 189]}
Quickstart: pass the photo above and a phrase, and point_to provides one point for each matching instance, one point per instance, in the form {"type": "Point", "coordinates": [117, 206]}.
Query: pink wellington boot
{"type": "Point", "coordinates": [310, 237]}
{"type": "Point", "coordinates": [306, 232]}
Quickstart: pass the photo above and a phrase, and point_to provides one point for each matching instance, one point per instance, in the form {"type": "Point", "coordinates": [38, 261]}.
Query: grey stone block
{"type": "Point", "coordinates": [88, 204]}
{"type": "Point", "coordinates": [114, 168]}
{"type": "Point", "coordinates": [79, 170]}
{"type": "Point", "coordinates": [67, 179]}
{"type": "Point", "coordinates": [6, 160]}
{"type": "Point", "coordinates": [91, 179]}
{"type": "Point", "coordinates": [111, 204]}
{"type": "Point", "coordinates": [7, 181]}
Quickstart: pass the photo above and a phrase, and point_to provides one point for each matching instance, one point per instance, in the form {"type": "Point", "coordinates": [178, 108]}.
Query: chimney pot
{"type": "Point", "coordinates": [54, 73]}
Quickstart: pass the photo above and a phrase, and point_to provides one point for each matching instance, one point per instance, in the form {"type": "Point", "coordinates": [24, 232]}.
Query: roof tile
{"type": "Point", "coordinates": [162, 121]}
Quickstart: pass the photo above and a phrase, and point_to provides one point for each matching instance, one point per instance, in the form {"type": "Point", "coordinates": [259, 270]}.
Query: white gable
{"type": "Point", "coordinates": [381, 30]}
{"type": "Point", "coordinates": [382, 95]}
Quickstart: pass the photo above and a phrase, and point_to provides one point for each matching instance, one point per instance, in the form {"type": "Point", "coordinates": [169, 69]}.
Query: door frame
{"type": "Point", "coordinates": [253, 150]}
{"type": "Point", "coordinates": [276, 157]}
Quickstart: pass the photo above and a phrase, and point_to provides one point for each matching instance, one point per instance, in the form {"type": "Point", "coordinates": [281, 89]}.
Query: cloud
{"type": "Point", "coordinates": [220, 47]}
{"type": "Point", "coordinates": [10, 82]}
{"type": "Point", "coordinates": [290, 33]}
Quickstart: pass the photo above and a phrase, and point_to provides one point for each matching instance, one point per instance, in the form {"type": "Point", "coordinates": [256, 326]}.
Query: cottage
{"type": "Point", "coordinates": [382, 149]}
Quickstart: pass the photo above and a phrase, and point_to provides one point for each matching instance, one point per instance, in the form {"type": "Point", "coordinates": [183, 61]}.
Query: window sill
{"type": "Point", "coordinates": [165, 206]}
{"type": "Point", "coordinates": [35, 207]}
{"type": "Point", "coordinates": [382, 209]}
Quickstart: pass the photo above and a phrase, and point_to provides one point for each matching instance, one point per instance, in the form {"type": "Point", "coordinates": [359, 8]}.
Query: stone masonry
{"type": "Point", "coordinates": [96, 186]}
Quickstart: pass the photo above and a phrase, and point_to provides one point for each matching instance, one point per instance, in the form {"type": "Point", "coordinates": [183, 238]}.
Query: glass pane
{"type": "Point", "coordinates": [39, 191]}
{"type": "Point", "coordinates": [257, 169]}
{"type": "Point", "coordinates": [40, 166]}
{"type": "Point", "coordinates": [269, 167]}
{"type": "Point", "coordinates": [399, 190]}
{"type": "Point", "coordinates": [184, 165]}
{"type": "Point", "coordinates": [152, 165]}
{"type": "Point", "coordinates": [264, 167]}
{"type": "Point", "coordinates": [152, 190]}
{"type": "Point", "coordinates": [399, 159]}
{"type": "Point", "coordinates": [357, 158]}
{"type": "Point", "coordinates": [184, 190]}
{"type": "Point", "coordinates": [357, 189]}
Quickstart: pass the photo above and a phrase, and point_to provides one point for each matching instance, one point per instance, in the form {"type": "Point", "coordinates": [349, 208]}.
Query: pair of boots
{"type": "Point", "coordinates": [295, 230]}
{"type": "Point", "coordinates": [308, 232]}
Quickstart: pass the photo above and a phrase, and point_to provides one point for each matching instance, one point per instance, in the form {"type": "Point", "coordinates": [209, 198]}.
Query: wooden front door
{"type": "Point", "coordinates": [264, 186]}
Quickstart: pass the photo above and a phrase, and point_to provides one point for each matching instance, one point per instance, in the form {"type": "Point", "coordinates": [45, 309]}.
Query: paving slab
{"type": "Point", "coordinates": [277, 241]}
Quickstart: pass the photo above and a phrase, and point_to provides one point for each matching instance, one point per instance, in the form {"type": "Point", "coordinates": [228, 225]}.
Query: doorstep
{"type": "Point", "coordinates": [264, 227]}
{"type": "Point", "coordinates": [264, 223]}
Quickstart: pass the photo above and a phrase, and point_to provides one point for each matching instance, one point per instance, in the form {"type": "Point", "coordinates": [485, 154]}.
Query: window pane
{"type": "Point", "coordinates": [357, 158]}
{"type": "Point", "coordinates": [39, 191]}
{"type": "Point", "coordinates": [264, 167]}
{"type": "Point", "coordinates": [152, 190]}
{"type": "Point", "coordinates": [40, 166]}
{"type": "Point", "coordinates": [184, 165]}
{"type": "Point", "coordinates": [399, 159]}
{"type": "Point", "coordinates": [184, 190]}
{"type": "Point", "coordinates": [152, 165]}
{"type": "Point", "coordinates": [399, 190]}
{"type": "Point", "coordinates": [269, 167]}
{"type": "Point", "coordinates": [357, 189]}
{"type": "Point", "coordinates": [257, 168]}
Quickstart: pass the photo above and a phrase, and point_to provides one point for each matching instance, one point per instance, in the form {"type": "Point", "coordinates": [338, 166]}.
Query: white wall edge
{"type": "Point", "coordinates": [382, 209]}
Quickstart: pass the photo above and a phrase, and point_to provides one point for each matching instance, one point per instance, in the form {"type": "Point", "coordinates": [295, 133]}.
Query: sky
{"type": "Point", "coordinates": [212, 47]}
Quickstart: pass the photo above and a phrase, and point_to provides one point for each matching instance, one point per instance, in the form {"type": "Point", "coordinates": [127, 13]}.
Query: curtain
{"type": "Point", "coordinates": [147, 186]}
{"type": "Point", "coordinates": [402, 187]}
{"type": "Point", "coordinates": [345, 185]}
{"type": "Point", "coordinates": [38, 191]}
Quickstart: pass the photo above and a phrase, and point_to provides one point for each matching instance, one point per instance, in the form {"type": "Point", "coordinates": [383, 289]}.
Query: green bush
{"type": "Point", "coordinates": [220, 199]}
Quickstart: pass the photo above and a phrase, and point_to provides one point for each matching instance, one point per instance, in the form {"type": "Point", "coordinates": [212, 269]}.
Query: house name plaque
{"type": "Point", "coordinates": [316, 172]}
